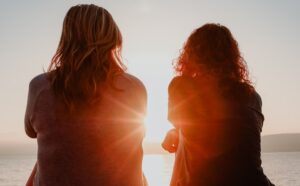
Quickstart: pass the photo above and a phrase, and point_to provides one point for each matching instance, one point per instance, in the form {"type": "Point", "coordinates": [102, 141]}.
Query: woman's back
{"type": "Point", "coordinates": [217, 111]}
{"type": "Point", "coordinates": [98, 145]}
{"type": "Point", "coordinates": [219, 137]}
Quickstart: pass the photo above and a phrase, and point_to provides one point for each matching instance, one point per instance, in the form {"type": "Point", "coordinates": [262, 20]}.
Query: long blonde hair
{"type": "Point", "coordinates": [88, 55]}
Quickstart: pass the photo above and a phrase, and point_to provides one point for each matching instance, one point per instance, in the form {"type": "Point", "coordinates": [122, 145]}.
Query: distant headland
{"type": "Point", "coordinates": [281, 143]}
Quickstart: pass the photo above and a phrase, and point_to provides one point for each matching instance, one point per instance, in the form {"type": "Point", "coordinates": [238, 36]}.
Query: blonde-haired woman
{"type": "Point", "coordinates": [86, 112]}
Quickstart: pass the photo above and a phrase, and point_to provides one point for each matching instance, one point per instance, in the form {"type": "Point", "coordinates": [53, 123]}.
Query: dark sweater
{"type": "Point", "coordinates": [100, 145]}
{"type": "Point", "coordinates": [219, 137]}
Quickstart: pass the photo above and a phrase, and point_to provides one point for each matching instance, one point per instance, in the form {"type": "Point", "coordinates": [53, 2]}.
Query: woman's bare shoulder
{"type": "Point", "coordinates": [38, 83]}
{"type": "Point", "coordinates": [128, 82]}
{"type": "Point", "coordinates": [39, 79]}
{"type": "Point", "coordinates": [180, 83]}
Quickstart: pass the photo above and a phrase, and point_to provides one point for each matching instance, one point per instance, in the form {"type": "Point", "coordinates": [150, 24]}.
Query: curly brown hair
{"type": "Point", "coordinates": [213, 47]}
{"type": "Point", "coordinates": [88, 55]}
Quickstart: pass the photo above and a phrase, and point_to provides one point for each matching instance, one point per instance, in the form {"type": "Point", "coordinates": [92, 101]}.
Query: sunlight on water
{"type": "Point", "coordinates": [283, 169]}
{"type": "Point", "coordinates": [14, 170]}
{"type": "Point", "coordinates": [158, 169]}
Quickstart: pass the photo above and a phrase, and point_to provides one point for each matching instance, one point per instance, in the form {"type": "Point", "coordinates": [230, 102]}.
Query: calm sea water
{"type": "Point", "coordinates": [282, 168]}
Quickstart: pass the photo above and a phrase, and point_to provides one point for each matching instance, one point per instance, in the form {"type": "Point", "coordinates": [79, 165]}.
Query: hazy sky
{"type": "Point", "coordinates": [154, 31]}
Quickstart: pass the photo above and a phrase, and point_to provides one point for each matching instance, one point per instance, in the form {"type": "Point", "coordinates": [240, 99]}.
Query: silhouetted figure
{"type": "Point", "coordinates": [216, 113]}
{"type": "Point", "coordinates": [86, 112]}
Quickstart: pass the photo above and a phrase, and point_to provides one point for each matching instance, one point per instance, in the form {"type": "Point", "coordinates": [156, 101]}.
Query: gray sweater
{"type": "Point", "coordinates": [101, 145]}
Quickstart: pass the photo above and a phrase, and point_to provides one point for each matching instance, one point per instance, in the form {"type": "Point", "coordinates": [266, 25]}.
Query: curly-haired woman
{"type": "Point", "coordinates": [216, 113]}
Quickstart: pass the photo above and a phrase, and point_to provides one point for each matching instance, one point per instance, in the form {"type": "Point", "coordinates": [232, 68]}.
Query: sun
{"type": "Point", "coordinates": [156, 126]}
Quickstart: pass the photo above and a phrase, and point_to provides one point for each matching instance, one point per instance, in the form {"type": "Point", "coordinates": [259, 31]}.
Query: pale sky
{"type": "Point", "coordinates": [154, 32]}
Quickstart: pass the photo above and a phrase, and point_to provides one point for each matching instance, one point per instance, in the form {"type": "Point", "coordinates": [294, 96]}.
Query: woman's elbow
{"type": "Point", "coordinates": [30, 132]}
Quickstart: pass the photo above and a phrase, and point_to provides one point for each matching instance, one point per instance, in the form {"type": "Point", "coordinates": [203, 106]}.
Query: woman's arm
{"type": "Point", "coordinates": [182, 109]}
{"type": "Point", "coordinates": [182, 101]}
{"type": "Point", "coordinates": [29, 111]}
{"type": "Point", "coordinates": [174, 105]}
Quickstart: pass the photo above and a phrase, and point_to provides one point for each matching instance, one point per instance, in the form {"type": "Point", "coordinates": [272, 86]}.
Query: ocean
{"type": "Point", "coordinates": [283, 169]}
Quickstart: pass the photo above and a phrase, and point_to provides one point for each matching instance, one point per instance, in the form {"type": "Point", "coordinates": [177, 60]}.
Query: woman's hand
{"type": "Point", "coordinates": [171, 140]}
